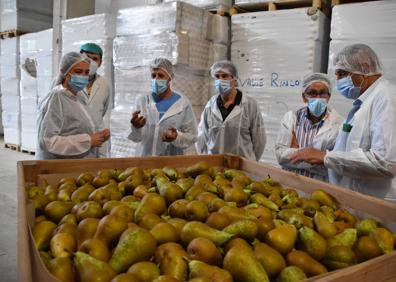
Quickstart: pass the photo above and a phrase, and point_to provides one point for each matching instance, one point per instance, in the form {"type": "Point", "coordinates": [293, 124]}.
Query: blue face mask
{"type": "Point", "coordinates": [78, 82]}
{"type": "Point", "coordinates": [223, 87]}
{"type": "Point", "coordinates": [347, 89]}
{"type": "Point", "coordinates": [159, 86]}
{"type": "Point", "coordinates": [317, 106]}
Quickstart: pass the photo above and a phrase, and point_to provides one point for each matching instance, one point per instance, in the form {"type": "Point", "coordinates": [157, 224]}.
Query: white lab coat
{"type": "Point", "coordinates": [242, 132]}
{"type": "Point", "coordinates": [100, 103]}
{"type": "Point", "coordinates": [324, 140]}
{"type": "Point", "coordinates": [180, 116]}
{"type": "Point", "coordinates": [64, 126]}
{"type": "Point", "coordinates": [364, 160]}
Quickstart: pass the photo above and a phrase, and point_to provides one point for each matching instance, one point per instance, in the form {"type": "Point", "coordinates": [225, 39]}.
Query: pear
{"type": "Point", "coordinates": [69, 218]}
{"type": "Point", "coordinates": [185, 183]}
{"type": "Point", "coordinates": [262, 200]}
{"type": "Point", "coordinates": [140, 191]}
{"type": "Point", "coordinates": [263, 227]}
{"type": "Point", "coordinates": [260, 212]}
{"type": "Point", "coordinates": [194, 191]}
{"type": "Point", "coordinates": [34, 191]}
{"type": "Point", "coordinates": [218, 220]}
{"type": "Point", "coordinates": [235, 213]}
{"type": "Point", "coordinates": [168, 248]}
{"type": "Point", "coordinates": [298, 220]}
{"type": "Point", "coordinates": [310, 206]}
{"type": "Point", "coordinates": [96, 249]}
{"type": "Point", "coordinates": [144, 271]}
{"type": "Point", "coordinates": [384, 239]}
{"type": "Point", "coordinates": [63, 245]}
{"type": "Point", "coordinates": [63, 269]}
{"type": "Point", "coordinates": [198, 168]}
{"type": "Point", "coordinates": [216, 204]}
{"type": "Point", "coordinates": [66, 228]}
{"type": "Point", "coordinates": [166, 278]}
{"type": "Point", "coordinates": [151, 203]}
{"type": "Point", "coordinates": [40, 202]}
{"type": "Point", "coordinates": [100, 195]}
{"type": "Point", "coordinates": [100, 181]}
{"type": "Point", "coordinates": [366, 226]}
{"type": "Point", "coordinates": [135, 244]}
{"type": "Point", "coordinates": [206, 197]}
{"type": "Point", "coordinates": [92, 270]}
{"type": "Point", "coordinates": [324, 226]}
{"type": "Point", "coordinates": [89, 209]}
{"type": "Point", "coordinates": [39, 219]}
{"type": "Point", "coordinates": [170, 191]}
{"type": "Point", "coordinates": [175, 265]}
{"type": "Point", "coordinates": [110, 229]}
{"type": "Point", "coordinates": [108, 206]}
{"type": "Point", "coordinates": [324, 198]}
{"type": "Point", "coordinates": [204, 250]}
{"type": "Point", "coordinates": [65, 194]}
{"type": "Point", "coordinates": [124, 212]}
{"type": "Point", "coordinates": [339, 257]}
{"type": "Point", "coordinates": [178, 208]}
{"type": "Point", "coordinates": [291, 274]}
{"type": "Point", "coordinates": [124, 277]}
{"type": "Point", "coordinates": [86, 229]}
{"type": "Point", "coordinates": [164, 232]}
{"type": "Point", "coordinates": [51, 192]}
{"type": "Point", "coordinates": [272, 261]}
{"type": "Point", "coordinates": [82, 193]}
{"type": "Point", "coordinates": [84, 178]}
{"type": "Point", "coordinates": [259, 187]}
{"type": "Point", "coordinates": [282, 238]}
{"type": "Point", "coordinates": [195, 229]}
{"type": "Point", "coordinates": [199, 269]}
{"type": "Point", "coordinates": [171, 172]}
{"type": "Point", "coordinates": [347, 238]}
{"type": "Point", "coordinates": [177, 223]}
{"type": "Point", "coordinates": [56, 210]}
{"type": "Point", "coordinates": [243, 228]}
{"type": "Point", "coordinates": [42, 233]}
{"type": "Point", "coordinates": [312, 242]}
{"type": "Point", "coordinates": [196, 210]}
{"type": "Point", "coordinates": [236, 261]}
{"type": "Point", "coordinates": [367, 248]}
{"type": "Point", "coordinates": [45, 257]}
{"type": "Point", "coordinates": [309, 265]}
{"type": "Point", "coordinates": [150, 220]}
{"type": "Point", "coordinates": [236, 195]}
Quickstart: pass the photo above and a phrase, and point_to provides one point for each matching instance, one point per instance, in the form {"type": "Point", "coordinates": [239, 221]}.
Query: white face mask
{"type": "Point", "coordinates": [93, 67]}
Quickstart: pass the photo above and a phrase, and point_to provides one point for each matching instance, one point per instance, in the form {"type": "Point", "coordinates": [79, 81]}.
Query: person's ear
{"type": "Point", "coordinates": [304, 98]}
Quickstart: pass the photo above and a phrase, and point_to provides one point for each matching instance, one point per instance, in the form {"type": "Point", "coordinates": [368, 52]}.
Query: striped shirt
{"type": "Point", "coordinates": [305, 132]}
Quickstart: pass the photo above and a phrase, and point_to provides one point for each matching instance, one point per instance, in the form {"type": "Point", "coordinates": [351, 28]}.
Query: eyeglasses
{"type": "Point", "coordinates": [313, 94]}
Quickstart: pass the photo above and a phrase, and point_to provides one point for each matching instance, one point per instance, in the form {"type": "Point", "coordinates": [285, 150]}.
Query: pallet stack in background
{"type": "Point", "coordinates": [180, 32]}
{"type": "Point", "coordinates": [28, 90]}
{"type": "Point", "coordinates": [44, 63]}
{"type": "Point", "coordinates": [273, 50]}
{"type": "Point", "coordinates": [10, 98]}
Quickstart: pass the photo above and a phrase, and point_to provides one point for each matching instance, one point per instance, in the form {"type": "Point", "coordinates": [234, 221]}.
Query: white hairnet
{"type": "Point", "coordinates": [224, 66]}
{"type": "Point", "coordinates": [163, 64]}
{"type": "Point", "coordinates": [68, 61]}
{"type": "Point", "coordinates": [359, 59]}
{"type": "Point", "coordinates": [309, 79]}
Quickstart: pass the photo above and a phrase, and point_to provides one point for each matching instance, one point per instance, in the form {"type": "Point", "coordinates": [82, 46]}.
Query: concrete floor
{"type": "Point", "coordinates": [8, 214]}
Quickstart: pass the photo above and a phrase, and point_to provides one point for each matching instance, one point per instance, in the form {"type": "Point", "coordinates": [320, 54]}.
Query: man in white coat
{"type": "Point", "coordinates": [98, 90]}
{"type": "Point", "coordinates": [315, 125]}
{"type": "Point", "coordinates": [364, 156]}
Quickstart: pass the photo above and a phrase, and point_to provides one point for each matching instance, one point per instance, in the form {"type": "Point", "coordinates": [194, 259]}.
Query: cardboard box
{"type": "Point", "coordinates": [30, 267]}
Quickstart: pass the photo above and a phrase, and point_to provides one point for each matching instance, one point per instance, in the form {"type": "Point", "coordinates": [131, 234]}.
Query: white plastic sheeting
{"type": "Point", "coordinates": [273, 51]}
{"type": "Point", "coordinates": [371, 23]}
{"type": "Point", "coordinates": [222, 5]}
{"type": "Point", "coordinates": [10, 77]}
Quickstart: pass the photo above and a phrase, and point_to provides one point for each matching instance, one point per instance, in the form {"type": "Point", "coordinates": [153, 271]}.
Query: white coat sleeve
{"type": "Point", "coordinates": [187, 132]}
{"type": "Point", "coordinates": [258, 134]}
{"type": "Point", "coordinates": [51, 138]}
{"type": "Point", "coordinates": [379, 161]}
{"type": "Point", "coordinates": [203, 129]}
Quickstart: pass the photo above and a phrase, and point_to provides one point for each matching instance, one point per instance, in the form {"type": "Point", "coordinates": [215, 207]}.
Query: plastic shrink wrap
{"type": "Point", "coordinates": [273, 51]}
{"type": "Point", "coordinates": [10, 77]}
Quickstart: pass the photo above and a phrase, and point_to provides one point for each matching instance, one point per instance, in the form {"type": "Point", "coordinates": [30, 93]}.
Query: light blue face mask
{"type": "Point", "coordinates": [317, 106]}
{"type": "Point", "coordinates": [347, 89]}
{"type": "Point", "coordinates": [223, 87]}
{"type": "Point", "coordinates": [78, 82]}
{"type": "Point", "coordinates": [159, 86]}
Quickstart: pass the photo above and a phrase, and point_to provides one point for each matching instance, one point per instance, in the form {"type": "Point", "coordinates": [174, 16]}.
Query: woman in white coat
{"type": "Point", "coordinates": [313, 126]}
{"type": "Point", "coordinates": [164, 122]}
{"type": "Point", "coordinates": [364, 156]}
{"type": "Point", "coordinates": [66, 127]}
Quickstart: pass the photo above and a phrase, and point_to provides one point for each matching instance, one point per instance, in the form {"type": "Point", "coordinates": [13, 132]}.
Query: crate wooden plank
{"type": "Point", "coordinates": [338, 2]}
{"type": "Point", "coordinates": [30, 267]}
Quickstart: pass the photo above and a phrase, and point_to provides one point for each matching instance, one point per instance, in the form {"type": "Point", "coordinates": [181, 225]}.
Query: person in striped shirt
{"type": "Point", "coordinates": [313, 126]}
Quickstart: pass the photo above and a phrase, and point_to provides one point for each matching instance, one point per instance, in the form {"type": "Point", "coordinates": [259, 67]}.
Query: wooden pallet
{"type": "Point", "coordinates": [10, 33]}
{"type": "Point", "coordinates": [26, 151]}
{"type": "Point", "coordinates": [221, 10]}
{"type": "Point", "coordinates": [14, 147]}
{"type": "Point", "coordinates": [338, 2]}
{"type": "Point", "coordinates": [314, 5]}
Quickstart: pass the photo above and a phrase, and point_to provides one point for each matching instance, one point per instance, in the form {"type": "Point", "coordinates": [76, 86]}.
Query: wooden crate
{"type": "Point", "coordinates": [30, 267]}
{"type": "Point", "coordinates": [338, 2]}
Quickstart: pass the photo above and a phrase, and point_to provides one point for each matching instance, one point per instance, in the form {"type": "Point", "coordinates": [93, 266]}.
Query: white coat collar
{"type": "Point", "coordinates": [235, 111]}
{"type": "Point", "coordinates": [369, 91]}
{"type": "Point", "coordinates": [176, 108]}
